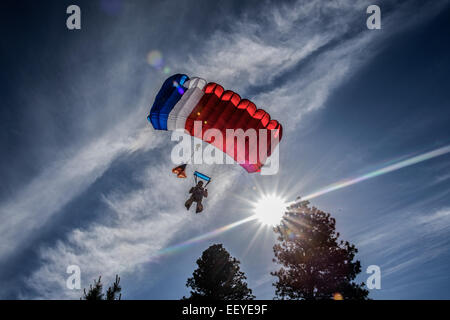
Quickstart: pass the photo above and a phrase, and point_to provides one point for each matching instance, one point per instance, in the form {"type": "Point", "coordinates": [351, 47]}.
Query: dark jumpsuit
{"type": "Point", "coordinates": [197, 194]}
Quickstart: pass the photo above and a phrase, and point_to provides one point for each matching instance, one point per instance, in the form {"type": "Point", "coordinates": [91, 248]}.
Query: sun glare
{"type": "Point", "coordinates": [270, 209]}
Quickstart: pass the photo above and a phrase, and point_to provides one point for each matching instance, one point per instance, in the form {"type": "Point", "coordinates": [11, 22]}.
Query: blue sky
{"type": "Point", "coordinates": [86, 180]}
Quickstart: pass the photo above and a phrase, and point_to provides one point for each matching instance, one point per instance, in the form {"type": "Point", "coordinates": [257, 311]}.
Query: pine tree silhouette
{"type": "Point", "coordinates": [218, 277]}
{"type": "Point", "coordinates": [315, 263]}
{"type": "Point", "coordinates": [96, 291]}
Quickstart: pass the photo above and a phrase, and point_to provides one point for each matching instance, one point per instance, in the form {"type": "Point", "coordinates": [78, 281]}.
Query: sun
{"type": "Point", "coordinates": [270, 209]}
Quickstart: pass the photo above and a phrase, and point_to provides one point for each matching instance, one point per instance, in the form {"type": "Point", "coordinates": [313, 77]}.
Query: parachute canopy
{"type": "Point", "coordinates": [182, 101]}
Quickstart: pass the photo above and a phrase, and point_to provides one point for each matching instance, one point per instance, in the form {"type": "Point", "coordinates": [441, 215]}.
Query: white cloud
{"type": "Point", "coordinates": [259, 54]}
{"type": "Point", "coordinates": [406, 239]}
{"type": "Point", "coordinates": [144, 223]}
{"type": "Point", "coordinates": [285, 37]}
{"type": "Point", "coordinates": [65, 179]}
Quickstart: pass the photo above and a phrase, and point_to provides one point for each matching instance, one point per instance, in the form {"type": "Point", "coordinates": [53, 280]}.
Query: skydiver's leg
{"type": "Point", "coordinates": [199, 207]}
{"type": "Point", "coordinates": [189, 203]}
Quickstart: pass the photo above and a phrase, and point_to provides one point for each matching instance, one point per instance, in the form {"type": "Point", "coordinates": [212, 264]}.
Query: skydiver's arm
{"type": "Point", "coordinates": [205, 193]}
{"type": "Point", "coordinates": [192, 190]}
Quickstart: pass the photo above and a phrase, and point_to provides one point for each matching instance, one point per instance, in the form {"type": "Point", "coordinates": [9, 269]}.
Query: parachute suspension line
{"type": "Point", "coordinates": [202, 176]}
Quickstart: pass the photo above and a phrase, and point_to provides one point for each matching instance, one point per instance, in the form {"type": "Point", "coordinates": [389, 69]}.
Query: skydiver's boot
{"type": "Point", "coordinates": [188, 203]}
{"type": "Point", "coordinates": [199, 207]}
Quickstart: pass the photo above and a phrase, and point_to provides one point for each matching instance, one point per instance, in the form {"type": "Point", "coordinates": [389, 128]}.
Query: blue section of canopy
{"type": "Point", "coordinates": [167, 97]}
{"type": "Point", "coordinates": [202, 176]}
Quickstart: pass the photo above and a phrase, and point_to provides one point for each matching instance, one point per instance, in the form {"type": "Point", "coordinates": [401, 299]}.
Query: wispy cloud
{"type": "Point", "coordinates": [406, 239]}
{"type": "Point", "coordinates": [63, 180]}
{"type": "Point", "coordinates": [292, 56]}
{"type": "Point", "coordinates": [139, 225]}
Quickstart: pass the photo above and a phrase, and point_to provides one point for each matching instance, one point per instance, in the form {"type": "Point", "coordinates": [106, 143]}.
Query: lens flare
{"type": "Point", "coordinates": [182, 245]}
{"type": "Point", "coordinates": [270, 209]}
{"type": "Point", "coordinates": [379, 172]}
{"type": "Point", "coordinates": [179, 87]}
{"type": "Point", "coordinates": [155, 59]}
{"type": "Point", "coordinates": [338, 296]}
{"type": "Point", "coordinates": [278, 205]}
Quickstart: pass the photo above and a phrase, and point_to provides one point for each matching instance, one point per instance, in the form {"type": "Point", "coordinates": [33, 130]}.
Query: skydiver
{"type": "Point", "coordinates": [197, 194]}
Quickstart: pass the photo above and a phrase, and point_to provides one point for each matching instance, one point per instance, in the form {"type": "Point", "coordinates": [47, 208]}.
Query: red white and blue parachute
{"type": "Point", "coordinates": [182, 100]}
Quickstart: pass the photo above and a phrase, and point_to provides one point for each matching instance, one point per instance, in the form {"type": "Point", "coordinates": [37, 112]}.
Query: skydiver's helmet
{"type": "Point", "coordinates": [200, 184]}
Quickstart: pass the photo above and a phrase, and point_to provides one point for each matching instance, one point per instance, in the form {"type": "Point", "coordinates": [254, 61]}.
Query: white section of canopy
{"type": "Point", "coordinates": [183, 108]}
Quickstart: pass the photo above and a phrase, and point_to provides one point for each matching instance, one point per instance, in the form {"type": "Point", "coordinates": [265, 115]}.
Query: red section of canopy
{"type": "Point", "coordinates": [222, 110]}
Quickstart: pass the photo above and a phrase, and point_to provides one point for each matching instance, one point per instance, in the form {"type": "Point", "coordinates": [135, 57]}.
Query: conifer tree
{"type": "Point", "coordinates": [95, 291]}
{"type": "Point", "coordinates": [218, 277]}
{"type": "Point", "coordinates": [315, 264]}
